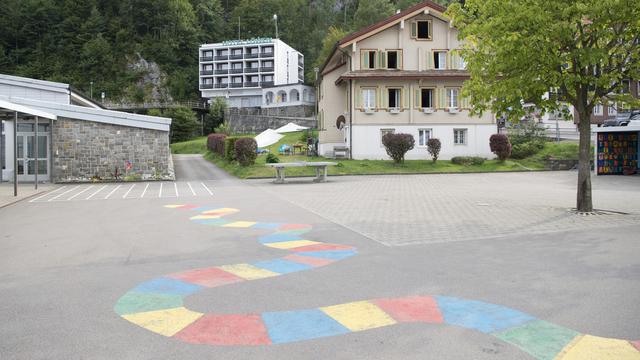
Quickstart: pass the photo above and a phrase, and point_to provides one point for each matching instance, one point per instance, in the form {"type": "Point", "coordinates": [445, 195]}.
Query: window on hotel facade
{"type": "Point", "coordinates": [440, 60]}
{"type": "Point", "coordinates": [421, 30]}
{"type": "Point", "coordinates": [368, 59]}
{"type": "Point", "coordinates": [452, 97]}
{"type": "Point", "coordinates": [460, 136]}
{"type": "Point", "coordinates": [369, 98]}
{"type": "Point", "coordinates": [426, 98]}
{"type": "Point", "coordinates": [395, 97]}
{"type": "Point", "coordinates": [423, 136]}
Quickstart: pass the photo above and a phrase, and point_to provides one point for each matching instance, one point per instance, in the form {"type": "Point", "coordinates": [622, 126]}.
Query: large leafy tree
{"type": "Point", "coordinates": [519, 50]}
{"type": "Point", "coordinates": [370, 12]}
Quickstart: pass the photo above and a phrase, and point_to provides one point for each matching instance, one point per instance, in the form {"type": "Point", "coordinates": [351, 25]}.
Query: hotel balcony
{"type": "Point", "coordinates": [235, 85]}
{"type": "Point", "coordinates": [222, 71]}
{"type": "Point", "coordinates": [236, 71]}
{"type": "Point", "coordinates": [266, 83]}
{"type": "Point", "coordinates": [266, 69]}
{"type": "Point", "coordinates": [252, 56]}
{"type": "Point", "coordinates": [235, 57]}
{"type": "Point", "coordinates": [251, 84]}
{"type": "Point", "coordinates": [251, 69]}
{"type": "Point", "coordinates": [222, 86]}
{"type": "Point", "coordinates": [265, 54]}
{"type": "Point", "coordinates": [206, 72]}
{"type": "Point", "coordinates": [222, 57]}
{"type": "Point", "coordinates": [206, 58]}
{"type": "Point", "coordinates": [206, 86]}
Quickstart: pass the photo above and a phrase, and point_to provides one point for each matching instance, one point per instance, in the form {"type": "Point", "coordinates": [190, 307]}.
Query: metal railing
{"type": "Point", "coordinates": [251, 70]}
{"type": "Point", "coordinates": [236, 85]}
{"type": "Point", "coordinates": [206, 58]}
{"type": "Point", "coordinates": [251, 84]}
{"type": "Point", "coordinates": [222, 57]}
{"type": "Point", "coordinates": [206, 72]}
{"type": "Point", "coordinates": [222, 71]}
{"type": "Point", "coordinates": [236, 71]}
{"type": "Point", "coordinates": [206, 86]}
{"type": "Point", "coordinates": [266, 83]}
{"type": "Point", "coordinates": [222, 86]}
{"type": "Point", "coordinates": [266, 69]}
{"type": "Point", "coordinates": [265, 54]}
{"type": "Point", "coordinates": [192, 104]}
{"type": "Point", "coordinates": [252, 56]}
{"type": "Point", "coordinates": [235, 56]}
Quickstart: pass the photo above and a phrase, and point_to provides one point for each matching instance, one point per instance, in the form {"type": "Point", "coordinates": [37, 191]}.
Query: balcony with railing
{"type": "Point", "coordinates": [222, 71]}
{"type": "Point", "coordinates": [206, 86]}
{"type": "Point", "coordinates": [266, 69]}
{"type": "Point", "coordinates": [206, 72]}
{"type": "Point", "coordinates": [236, 85]}
{"type": "Point", "coordinates": [266, 83]}
{"type": "Point", "coordinates": [206, 58]}
{"type": "Point", "coordinates": [251, 70]}
{"type": "Point", "coordinates": [236, 56]}
{"type": "Point", "coordinates": [251, 84]}
{"type": "Point", "coordinates": [222, 86]}
{"type": "Point", "coordinates": [252, 55]}
{"type": "Point", "coordinates": [266, 54]}
{"type": "Point", "coordinates": [222, 57]}
{"type": "Point", "coordinates": [236, 71]}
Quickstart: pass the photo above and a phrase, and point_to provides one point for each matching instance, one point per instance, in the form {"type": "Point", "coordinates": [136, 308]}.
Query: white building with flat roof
{"type": "Point", "coordinates": [238, 69]}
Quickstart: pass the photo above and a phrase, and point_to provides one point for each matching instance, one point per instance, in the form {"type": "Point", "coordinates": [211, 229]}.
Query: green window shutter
{"type": "Point", "coordinates": [449, 64]}
{"type": "Point", "coordinates": [383, 98]}
{"type": "Point", "coordinates": [359, 98]}
{"type": "Point", "coordinates": [453, 60]}
{"type": "Point", "coordinates": [429, 60]}
{"type": "Point", "coordinates": [365, 59]}
{"type": "Point", "coordinates": [383, 59]}
{"type": "Point", "coordinates": [400, 66]}
{"type": "Point", "coordinates": [406, 103]}
{"type": "Point", "coordinates": [414, 29]}
{"type": "Point", "coordinates": [418, 96]}
{"type": "Point", "coordinates": [442, 101]}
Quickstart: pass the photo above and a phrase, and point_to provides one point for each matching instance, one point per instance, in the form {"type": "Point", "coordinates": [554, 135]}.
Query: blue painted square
{"type": "Point", "coordinates": [330, 254]}
{"type": "Point", "coordinates": [282, 266]}
{"type": "Point", "coordinates": [167, 286]}
{"type": "Point", "coordinates": [278, 237]}
{"type": "Point", "coordinates": [261, 225]}
{"type": "Point", "coordinates": [290, 326]}
{"type": "Point", "coordinates": [479, 315]}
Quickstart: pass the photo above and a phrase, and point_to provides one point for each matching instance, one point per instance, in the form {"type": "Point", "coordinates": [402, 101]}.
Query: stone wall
{"type": "Point", "coordinates": [83, 150]}
{"type": "Point", "coordinates": [255, 120]}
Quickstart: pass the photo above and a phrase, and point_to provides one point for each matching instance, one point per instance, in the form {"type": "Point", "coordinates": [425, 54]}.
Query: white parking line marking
{"type": "Point", "coordinates": [85, 189]}
{"type": "Point", "coordinates": [191, 187]}
{"type": "Point", "coordinates": [175, 187]}
{"type": "Point", "coordinates": [66, 192]}
{"type": "Point", "coordinates": [128, 191]}
{"type": "Point", "coordinates": [112, 191]}
{"type": "Point", "coordinates": [47, 194]}
{"type": "Point", "coordinates": [160, 192]}
{"type": "Point", "coordinates": [205, 186]}
{"type": "Point", "coordinates": [145, 190]}
{"type": "Point", "coordinates": [97, 191]}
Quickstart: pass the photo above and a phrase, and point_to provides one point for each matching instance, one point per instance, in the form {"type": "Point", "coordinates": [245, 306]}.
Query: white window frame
{"type": "Point", "coordinates": [422, 140]}
{"type": "Point", "coordinates": [456, 136]}
{"type": "Point", "coordinates": [598, 110]}
{"type": "Point", "coordinates": [453, 102]}
{"type": "Point", "coordinates": [442, 59]}
{"type": "Point", "coordinates": [385, 131]}
{"type": "Point", "coordinates": [369, 98]}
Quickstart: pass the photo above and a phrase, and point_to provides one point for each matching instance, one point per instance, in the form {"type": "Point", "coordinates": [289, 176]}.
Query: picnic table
{"type": "Point", "coordinates": [320, 166]}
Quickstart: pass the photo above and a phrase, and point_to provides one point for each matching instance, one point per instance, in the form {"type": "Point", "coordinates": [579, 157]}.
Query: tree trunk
{"type": "Point", "coordinates": [584, 203]}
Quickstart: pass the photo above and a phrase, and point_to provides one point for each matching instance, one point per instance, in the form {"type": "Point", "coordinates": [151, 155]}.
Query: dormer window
{"type": "Point", "coordinates": [421, 30]}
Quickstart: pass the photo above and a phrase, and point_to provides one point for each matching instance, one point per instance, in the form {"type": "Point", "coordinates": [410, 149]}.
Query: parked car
{"type": "Point", "coordinates": [623, 118]}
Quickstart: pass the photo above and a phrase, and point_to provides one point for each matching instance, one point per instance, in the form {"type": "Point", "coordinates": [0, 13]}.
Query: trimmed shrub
{"type": "Point", "coordinates": [434, 146]}
{"type": "Point", "coordinates": [524, 150]}
{"type": "Point", "coordinates": [397, 145]}
{"type": "Point", "coordinates": [500, 146]}
{"type": "Point", "coordinates": [229, 149]}
{"type": "Point", "coordinates": [272, 158]}
{"type": "Point", "coordinates": [215, 143]}
{"type": "Point", "coordinates": [245, 151]}
{"type": "Point", "coordinates": [468, 160]}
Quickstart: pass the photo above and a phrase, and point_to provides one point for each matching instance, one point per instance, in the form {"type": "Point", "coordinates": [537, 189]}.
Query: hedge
{"type": "Point", "coordinates": [215, 143]}
{"type": "Point", "coordinates": [229, 146]}
{"type": "Point", "coordinates": [467, 160]}
{"type": "Point", "coordinates": [245, 151]}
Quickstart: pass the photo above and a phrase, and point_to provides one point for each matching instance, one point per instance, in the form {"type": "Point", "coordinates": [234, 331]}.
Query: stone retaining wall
{"type": "Point", "coordinates": [255, 120]}
{"type": "Point", "coordinates": [83, 150]}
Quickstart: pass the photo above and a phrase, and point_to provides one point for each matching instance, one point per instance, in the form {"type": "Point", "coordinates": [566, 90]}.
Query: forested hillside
{"type": "Point", "coordinates": [106, 41]}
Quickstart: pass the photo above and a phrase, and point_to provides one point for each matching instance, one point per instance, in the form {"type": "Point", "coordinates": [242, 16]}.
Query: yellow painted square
{"type": "Point", "coordinates": [359, 315]}
{"type": "Point", "coordinates": [291, 244]}
{"type": "Point", "coordinates": [598, 348]}
{"type": "Point", "coordinates": [165, 322]}
{"type": "Point", "coordinates": [240, 224]}
{"type": "Point", "coordinates": [221, 210]}
{"type": "Point", "coordinates": [204, 217]}
{"type": "Point", "coordinates": [248, 272]}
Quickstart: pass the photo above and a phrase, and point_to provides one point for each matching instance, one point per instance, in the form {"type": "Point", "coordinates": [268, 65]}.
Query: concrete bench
{"type": "Point", "coordinates": [321, 169]}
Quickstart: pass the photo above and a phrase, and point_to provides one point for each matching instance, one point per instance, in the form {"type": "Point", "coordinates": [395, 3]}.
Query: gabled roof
{"type": "Point", "coordinates": [93, 114]}
{"type": "Point", "coordinates": [392, 20]}
{"type": "Point", "coordinates": [62, 88]}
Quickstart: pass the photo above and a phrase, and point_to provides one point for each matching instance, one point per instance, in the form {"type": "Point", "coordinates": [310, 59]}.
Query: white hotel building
{"type": "Point", "coordinates": [238, 70]}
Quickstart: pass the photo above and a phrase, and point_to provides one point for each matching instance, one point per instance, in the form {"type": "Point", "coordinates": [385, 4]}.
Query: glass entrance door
{"type": "Point", "coordinates": [27, 152]}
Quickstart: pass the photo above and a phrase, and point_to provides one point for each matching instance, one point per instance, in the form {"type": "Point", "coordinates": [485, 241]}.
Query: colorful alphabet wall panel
{"type": "Point", "coordinates": [617, 151]}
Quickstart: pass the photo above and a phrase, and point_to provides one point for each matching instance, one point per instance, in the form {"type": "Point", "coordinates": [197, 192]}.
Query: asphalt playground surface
{"type": "Point", "coordinates": [66, 265]}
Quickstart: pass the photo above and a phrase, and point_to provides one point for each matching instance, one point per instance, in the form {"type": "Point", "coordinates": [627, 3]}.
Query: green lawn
{"type": "Point", "coordinates": [563, 150]}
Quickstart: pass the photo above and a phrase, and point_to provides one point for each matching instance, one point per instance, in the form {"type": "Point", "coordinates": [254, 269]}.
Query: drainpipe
{"type": "Point", "coordinates": [349, 104]}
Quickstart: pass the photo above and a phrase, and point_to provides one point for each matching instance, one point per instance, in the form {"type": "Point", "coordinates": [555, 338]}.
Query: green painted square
{"type": "Point", "coordinates": [539, 338]}
{"type": "Point", "coordinates": [134, 302]}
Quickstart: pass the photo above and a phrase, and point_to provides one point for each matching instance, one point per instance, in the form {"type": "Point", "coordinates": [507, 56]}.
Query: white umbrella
{"type": "Point", "coordinates": [290, 127]}
{"type": "Point", "coordinates": [268, 137]}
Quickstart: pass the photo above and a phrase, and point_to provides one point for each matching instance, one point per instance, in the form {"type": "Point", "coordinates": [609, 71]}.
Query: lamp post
{"type": "Point", "coordinates": [275, 18]}
{"type": "Point", "coordinates": [91, 91]}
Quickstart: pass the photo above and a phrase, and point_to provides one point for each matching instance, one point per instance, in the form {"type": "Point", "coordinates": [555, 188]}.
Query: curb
{"type": "Point", "coordinates": [24, 198]}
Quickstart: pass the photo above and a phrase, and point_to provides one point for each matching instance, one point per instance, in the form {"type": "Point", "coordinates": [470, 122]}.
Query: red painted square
{"type": "Point", "coordinates": [226, 330]}
{"type": "Point", "coordinates": [411, 309]}
{"type": "Point", "coordinates": [293, 227]}
{"type": "Point", "coordinates": [209, 277]}
{"type": "Point", "coordinates": [308, 260]}
{"type": "Point", "coordinates": [322, 247]}
{"type": "Point", "coordinates": [636, 344]}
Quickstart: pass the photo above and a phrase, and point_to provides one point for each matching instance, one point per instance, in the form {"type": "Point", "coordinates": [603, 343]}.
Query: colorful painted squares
{"type": "Point", "coordinates": [209, 277]}
{"type": "Point", "coordinates": [289, 326]}
{"type": "Point", "coordinates": [411, 309]}
{"type": "Point", "coordinates": [479, 315]}
{"type": "Point", "coordinates": [164, 322]}
{"type": "Point", "coordinates": [226, 330]}
{"type": "Point", "coordinates": [539, 338]}
{"type": "Point", "coordinates": [167, 286]}
{"type": "Point", "coordinates": [359, 315]}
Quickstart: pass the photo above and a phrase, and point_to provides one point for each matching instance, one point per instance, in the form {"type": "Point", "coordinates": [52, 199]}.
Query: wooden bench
{"type": "Point", "coordinates": [321, 169]}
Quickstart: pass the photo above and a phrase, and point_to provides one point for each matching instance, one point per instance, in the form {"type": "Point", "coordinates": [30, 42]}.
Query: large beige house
{"type": "Point", "coordinates": [400, 75]}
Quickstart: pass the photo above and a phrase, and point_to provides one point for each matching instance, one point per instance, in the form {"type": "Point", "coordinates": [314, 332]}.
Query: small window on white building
{"type": "Point", "coordinates": [423, 136]}
{"type": "Point", "coordinates": [460, 136]}
{"type": "Point", "coordinates": [452, 97]}
{"type": "Point", "coordinates": [598, 110]}
{"type": "Point", "coordinates": [395, 98]}
{"type": "Point", "coordinates": [439, 60]}
{"type": "Point", "coordinates": [421, 30]}
{"type": "Point", "coordinates": [384, 132]}
{"type": "Point", "coordinates": [368, 98]}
